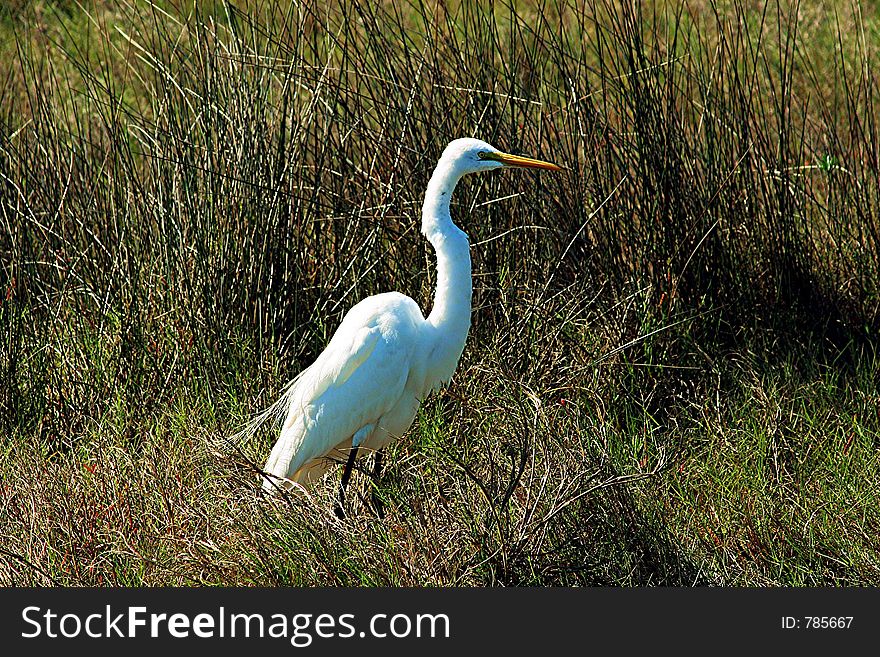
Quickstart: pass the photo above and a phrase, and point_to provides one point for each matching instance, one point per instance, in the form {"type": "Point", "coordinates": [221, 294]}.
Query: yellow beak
{"type": "Point", "coordinates": [524, 162]}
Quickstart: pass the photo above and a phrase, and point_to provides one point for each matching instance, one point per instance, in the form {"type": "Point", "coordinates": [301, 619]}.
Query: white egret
{"type": "Point", "coordinates": [365, 388]}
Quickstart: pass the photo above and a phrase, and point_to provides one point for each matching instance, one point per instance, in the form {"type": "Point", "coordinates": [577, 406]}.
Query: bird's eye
{"type": "Point", "coordinates": [482, 155]}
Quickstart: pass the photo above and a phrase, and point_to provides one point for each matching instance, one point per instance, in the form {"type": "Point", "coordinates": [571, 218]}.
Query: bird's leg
{"type": "Point", "coordinates": [346, 475]}
{"type": "Point", "coordinates": [356, 441]}
{"type": "Point", "coordinates": [377, 470]}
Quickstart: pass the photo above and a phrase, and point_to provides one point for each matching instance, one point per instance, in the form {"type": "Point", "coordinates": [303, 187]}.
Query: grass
{"type": "Point", "coordinates": [672, 373]}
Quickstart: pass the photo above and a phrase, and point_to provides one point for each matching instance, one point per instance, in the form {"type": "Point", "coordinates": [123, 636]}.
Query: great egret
{"type": "Point", "coordinates": [365, 388]}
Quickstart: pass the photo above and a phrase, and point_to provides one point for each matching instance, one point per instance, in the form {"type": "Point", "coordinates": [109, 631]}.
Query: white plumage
{"type": "Point", "coordinates": [365, 388]}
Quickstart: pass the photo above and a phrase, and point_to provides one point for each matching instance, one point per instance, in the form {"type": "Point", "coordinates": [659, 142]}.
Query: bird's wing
{"type": "Point", "coordinates": [342, 359]}
{"type": "Point", "coordinates": [359, 377]}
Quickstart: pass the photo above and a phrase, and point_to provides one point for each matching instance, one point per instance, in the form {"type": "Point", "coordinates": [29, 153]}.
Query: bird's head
{"type": "Point", "coordinates": [472, 155]}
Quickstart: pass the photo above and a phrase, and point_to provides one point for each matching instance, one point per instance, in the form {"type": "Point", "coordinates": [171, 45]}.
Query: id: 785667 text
{"type": "Point", "coordinates": [817, 622]}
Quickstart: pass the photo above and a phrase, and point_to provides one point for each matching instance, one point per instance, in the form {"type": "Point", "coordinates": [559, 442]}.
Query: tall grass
{"type": "Point", "coordinates": [671, 377]}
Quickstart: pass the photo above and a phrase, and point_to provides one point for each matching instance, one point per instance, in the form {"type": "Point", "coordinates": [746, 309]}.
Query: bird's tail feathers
{"type": "Point", "coordinates": [276, 413]}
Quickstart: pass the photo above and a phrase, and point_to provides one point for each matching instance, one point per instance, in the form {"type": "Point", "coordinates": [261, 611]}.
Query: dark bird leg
{"type": "Point", "coordinates": [346, 475]}
{"type": "Point", "coordinates": [377, 470]}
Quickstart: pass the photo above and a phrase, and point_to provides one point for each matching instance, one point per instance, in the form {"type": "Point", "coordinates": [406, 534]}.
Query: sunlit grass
{"type": "Point", "coordinates": [672, 373]}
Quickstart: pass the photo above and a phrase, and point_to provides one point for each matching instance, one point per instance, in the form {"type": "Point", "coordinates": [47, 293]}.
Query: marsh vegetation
{"type": "Point", "coordinates": [672, 374]}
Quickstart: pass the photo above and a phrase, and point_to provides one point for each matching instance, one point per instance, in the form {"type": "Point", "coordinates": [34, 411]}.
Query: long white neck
{"type": "Point", "coordinates": [450, 317]}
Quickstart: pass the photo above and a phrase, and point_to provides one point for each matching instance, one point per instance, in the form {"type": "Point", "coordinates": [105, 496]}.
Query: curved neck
{"type": "Point", "coordinates": [452, 300]}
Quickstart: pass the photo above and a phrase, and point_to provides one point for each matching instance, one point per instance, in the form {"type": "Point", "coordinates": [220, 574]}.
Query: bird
{"type": "Point", "coordinates": [364, 390]}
